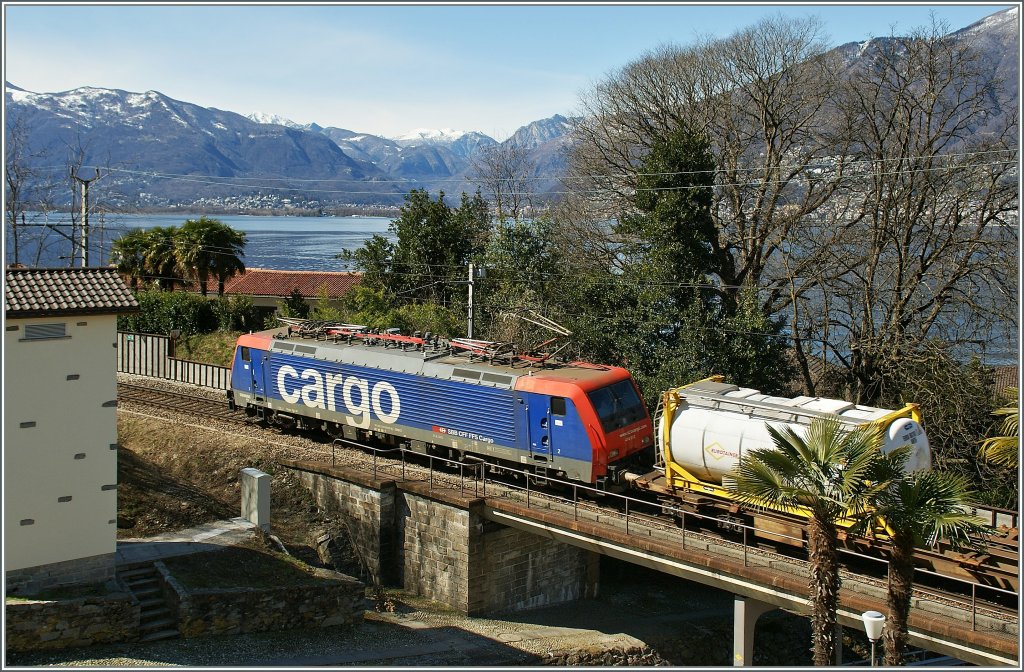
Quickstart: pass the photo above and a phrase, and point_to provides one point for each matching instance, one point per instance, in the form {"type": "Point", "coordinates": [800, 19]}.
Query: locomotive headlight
{"type": "Point", "coordinates": [613, 454]}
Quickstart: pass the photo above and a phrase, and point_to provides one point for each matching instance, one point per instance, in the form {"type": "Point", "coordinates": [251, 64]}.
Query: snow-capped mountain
{"type": "Point", "coordinates": [997, 36]}
{"type": "Point", "coordinates": [432, 136]}
{"type": "Point", "coordinates": [1003, 23]}
{"type": "Point", "coordinates": [139, 135]}
{"type": "Point", "coordinates": [540, 132]}
{"type": "Point", "coordinates": [264, 118]}
{"type": "Point", "coordinates": [995, 41]}
{"type": "Point", "coordinates": [143, 134]}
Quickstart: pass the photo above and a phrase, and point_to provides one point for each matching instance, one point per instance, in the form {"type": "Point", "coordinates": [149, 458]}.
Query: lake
{"type": "Point", "coordinates": [292, 244]}
{"type": "Point", "coordinates": [281, 243]}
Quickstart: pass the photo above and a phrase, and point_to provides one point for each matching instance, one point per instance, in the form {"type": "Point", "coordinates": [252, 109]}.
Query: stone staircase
{"type": "Point", "coordinates": [156, 620]}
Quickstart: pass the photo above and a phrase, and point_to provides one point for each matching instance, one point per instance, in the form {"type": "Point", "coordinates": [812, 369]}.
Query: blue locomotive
{"type": "Point", "coordinates": [454, 398]}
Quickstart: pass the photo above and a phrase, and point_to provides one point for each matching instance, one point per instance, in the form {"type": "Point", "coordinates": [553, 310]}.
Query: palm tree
{"type": "Point", "coordinates": [128, 254]}
{"type": "Point", "coordinates": [832, 474]}
{"type": "Point", "coordinates": [192, 251]}
{"type": "Point", "coordinates": [227, 247]}
{"type": "Point", "coordinates": [159, 257]}
{"type": "Point", "coordinates": [918, 508]}
{"type": "Point", "coordinates": [1003, 449]}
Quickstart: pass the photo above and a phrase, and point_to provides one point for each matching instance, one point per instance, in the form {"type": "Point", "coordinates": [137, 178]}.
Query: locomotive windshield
{"type": "Point", "coordinates": [617, 405]}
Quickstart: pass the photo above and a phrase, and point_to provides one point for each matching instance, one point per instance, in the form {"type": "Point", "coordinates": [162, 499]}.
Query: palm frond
{"type": "Point", "coordinates": [1004, 449]}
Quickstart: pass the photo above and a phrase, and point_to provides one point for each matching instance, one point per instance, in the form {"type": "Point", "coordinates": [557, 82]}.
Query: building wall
{"type": "Point", "coordinates": [60, 440]}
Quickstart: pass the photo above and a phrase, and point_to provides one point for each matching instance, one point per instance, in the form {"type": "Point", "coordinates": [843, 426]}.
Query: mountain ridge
{"type": "Point", "coordinates": [160, 150]}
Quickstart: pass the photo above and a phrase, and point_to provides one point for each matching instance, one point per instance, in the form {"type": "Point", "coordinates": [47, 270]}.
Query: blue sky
{"type": "Point", "coordinates": [388, 69]}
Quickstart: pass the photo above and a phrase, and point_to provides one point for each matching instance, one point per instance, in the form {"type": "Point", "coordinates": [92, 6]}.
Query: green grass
{"type": "Point", "coordinates": [216, 348]}
{"type": "Point", "coordinates": [240, 567]}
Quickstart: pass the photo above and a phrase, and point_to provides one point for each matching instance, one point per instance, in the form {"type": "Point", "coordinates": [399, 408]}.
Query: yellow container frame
{"type": "Point", "coordinates": [678, 477]}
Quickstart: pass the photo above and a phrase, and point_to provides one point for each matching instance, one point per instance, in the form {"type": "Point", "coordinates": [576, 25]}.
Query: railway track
{"type": "Point", "coordinates": [996, 567]}
{"type": "Point", "coordinates": [182, 402]}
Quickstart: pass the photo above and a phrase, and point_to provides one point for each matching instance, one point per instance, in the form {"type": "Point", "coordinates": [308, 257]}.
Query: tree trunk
{"type": "Point", "coordinates": [824, 590]}
{"type": "Point", "coordinates": [901, 585]}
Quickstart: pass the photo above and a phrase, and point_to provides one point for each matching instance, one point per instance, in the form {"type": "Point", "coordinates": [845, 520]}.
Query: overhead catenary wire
{"type": "Point", "coordinates": [527, 178]}
{"type": "Point", "coordinates": [432, 274]}
{"type": "Point", "coordinates": [853, 175]}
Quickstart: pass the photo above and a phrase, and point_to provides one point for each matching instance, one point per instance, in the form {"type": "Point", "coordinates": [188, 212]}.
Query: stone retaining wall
{"type": "Point", "coordinates": [438, 544]}
{"type": "Point", "coordinates": [369, 514]}
{"type": "Point", "coordinates": [519, 570]}
{"type": "Point", "coordinates": [40, 624]}
{"type": "Point", "coordinates": [95, 569]}
{"type": "Point", "coordinates": [231, 611]}
{"type": "Point", "coordinates": [626, 656]}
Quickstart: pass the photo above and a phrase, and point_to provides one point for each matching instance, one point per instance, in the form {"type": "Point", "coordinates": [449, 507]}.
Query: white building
{"type": "Point", "coordinates": [60, 425]}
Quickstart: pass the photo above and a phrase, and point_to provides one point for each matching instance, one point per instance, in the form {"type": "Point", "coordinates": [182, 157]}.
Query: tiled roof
{"type": "Point", "coordinates": [1005, 376]}
{"type": "Point", "coordinates": [268, 282]}
{"type": "Point", "coordinates": [29, 292]}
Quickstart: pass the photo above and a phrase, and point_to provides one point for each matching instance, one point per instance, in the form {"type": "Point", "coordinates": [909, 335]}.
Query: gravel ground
{"type": "Point", "coordinates": [633, 611]}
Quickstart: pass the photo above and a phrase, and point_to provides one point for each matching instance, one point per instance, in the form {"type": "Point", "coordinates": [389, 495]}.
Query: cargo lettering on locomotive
{"type": "Point", "coordinates": [321, 392]}
{"type": "Point", "coordinates": [462, 434]}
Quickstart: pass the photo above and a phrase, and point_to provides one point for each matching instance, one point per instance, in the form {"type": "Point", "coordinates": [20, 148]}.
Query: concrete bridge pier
{"type": "Point", "coordinates": [746, 611]}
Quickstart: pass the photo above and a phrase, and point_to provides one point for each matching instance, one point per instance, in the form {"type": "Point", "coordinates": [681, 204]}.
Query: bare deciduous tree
{"type": "Point", "coordinates": [504, 172]}
{"type": "Point", "coordinates": [861, 201]}
{"type": "Point", "coordinates": [929, 249]}
{"type": "Point", "coordinates": [27, 198]}
{"type": "Point", "coordinates": [760, 97]}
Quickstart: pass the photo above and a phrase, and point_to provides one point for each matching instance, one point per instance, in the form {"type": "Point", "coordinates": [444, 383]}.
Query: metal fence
{"type": "Point", "coordinates": [153, 355]}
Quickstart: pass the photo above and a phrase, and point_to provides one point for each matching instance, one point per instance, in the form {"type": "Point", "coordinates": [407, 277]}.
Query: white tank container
{"type": "Point", "coordinates": [711, 430]}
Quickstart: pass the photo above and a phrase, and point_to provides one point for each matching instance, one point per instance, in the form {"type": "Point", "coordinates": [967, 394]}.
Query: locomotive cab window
{"type": "Point", "coordinates": [245, 354]}
{"type": "Point", "coordinates": [557, 405]}
{"type": "Point", "coordinates": [617, 405]}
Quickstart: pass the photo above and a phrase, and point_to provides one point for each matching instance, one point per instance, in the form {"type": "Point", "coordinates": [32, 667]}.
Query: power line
{"type": "Point", "coordinates": [236, 181]}
{"type": "Point", "coordinates": [465, 178]}
{"type": "Point", "coordinates": [590, 192]}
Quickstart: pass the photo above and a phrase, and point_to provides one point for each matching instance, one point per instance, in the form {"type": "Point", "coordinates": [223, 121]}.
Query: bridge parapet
{"type": "Point", "coordinates": [472, 535]}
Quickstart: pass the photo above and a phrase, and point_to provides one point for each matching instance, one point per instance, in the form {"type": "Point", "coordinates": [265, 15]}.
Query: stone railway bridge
{"type": "Point", "coordinates": [494, 550]}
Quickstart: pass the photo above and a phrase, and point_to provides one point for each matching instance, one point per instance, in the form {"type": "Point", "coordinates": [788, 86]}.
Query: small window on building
{"type": "Point", "coordinates": [38, 332]}
{"type": "Point", "coordinates": [557, 405]}
{"type": "Point", "coordinates": [245, 354]}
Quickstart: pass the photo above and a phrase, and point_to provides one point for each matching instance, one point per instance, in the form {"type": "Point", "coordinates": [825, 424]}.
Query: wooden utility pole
{"type": "Point", "coordinates": [83, 242]}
